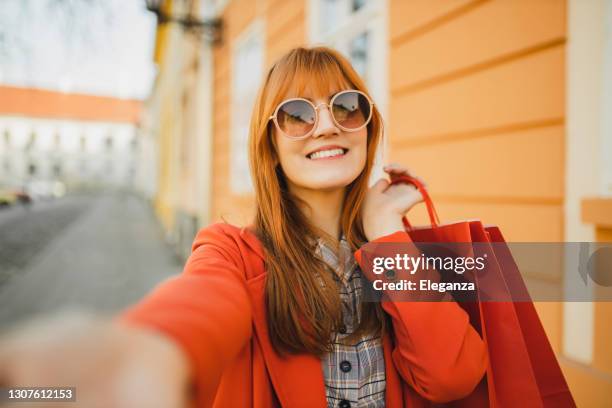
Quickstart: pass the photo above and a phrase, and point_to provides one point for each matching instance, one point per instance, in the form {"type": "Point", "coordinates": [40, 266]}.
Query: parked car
{"type": "Point", "coordinates": [10, 197]}
{"type": "Point", "coordinates": [23, 197]}
{"type": "Point", "coordinates": [45, 189]}
{"type": "Point", "coordinates": [7, 198]}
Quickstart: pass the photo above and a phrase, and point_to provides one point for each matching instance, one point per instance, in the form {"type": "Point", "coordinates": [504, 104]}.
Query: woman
{"type": "Point", "coordinates": [273, 314]}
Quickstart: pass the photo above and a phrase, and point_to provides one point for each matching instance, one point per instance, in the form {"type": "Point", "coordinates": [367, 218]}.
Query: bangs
{"type": "Point", "coordinates": [315, 72]}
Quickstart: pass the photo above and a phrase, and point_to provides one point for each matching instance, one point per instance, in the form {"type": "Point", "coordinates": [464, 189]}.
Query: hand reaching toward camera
{"type": "Point", "coordinates": [386, 204]}
{"type": "Point", "coordinates": [111, 365]}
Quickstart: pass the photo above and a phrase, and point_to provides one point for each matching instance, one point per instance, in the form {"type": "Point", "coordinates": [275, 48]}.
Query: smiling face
{"type": "Point", "coordinates": [330, 158]}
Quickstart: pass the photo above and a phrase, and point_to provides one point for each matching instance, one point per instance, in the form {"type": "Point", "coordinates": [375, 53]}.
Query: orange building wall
{"type": "Point", "coordinates": [284, 22]}
{"type": "Point", "coordinates": [477, 108]}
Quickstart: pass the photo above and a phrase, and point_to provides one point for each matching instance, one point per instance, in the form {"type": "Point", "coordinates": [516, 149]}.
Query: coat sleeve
{"type": "Point", "coordinates": [437, 351]}
{"type": "Point", "coordinates": [205, 310]}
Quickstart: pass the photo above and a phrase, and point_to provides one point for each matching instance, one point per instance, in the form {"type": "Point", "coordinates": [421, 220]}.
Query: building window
{"type": "Point", "coordinates": [56, 140]}
{"type": "Point", "coordinates": [358, 54]}
{"type": "Point", "coordinates": [247, 71]}
{"type": "Point", "coordinates": [358, 29]}
{"type": "Point", "coordinates": [31, 141]}
{"type": "Point", "coordinates": [330, 11]}
{"type": "Point", "coordinates": [7, 138]}
{"type": "Point", "coordinates": [357, 4]}
{"type": "Point", "coordinates": [606, 130]}
{"type": "Point", "coordinates": [31, 169]}
{"type": "Point", "coordinates": [57, 170]}
{"type": "Point", "coordinates": [108, 143]}
{"type": "Point", "coordinates": [83, 143]}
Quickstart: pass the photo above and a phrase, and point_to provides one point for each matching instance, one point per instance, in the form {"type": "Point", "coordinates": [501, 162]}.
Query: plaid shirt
{"type": "Point", "coordinates": [354, 374]}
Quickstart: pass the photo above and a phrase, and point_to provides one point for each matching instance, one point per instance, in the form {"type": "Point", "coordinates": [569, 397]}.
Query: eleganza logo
{"type": "Point", "coordinates": [491, 271]}
{"type": "Point", "coordinates": [423, 285]}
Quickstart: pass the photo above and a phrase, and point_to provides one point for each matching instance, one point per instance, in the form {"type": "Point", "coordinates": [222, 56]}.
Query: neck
{"type": "Point", "coordinates": [324, 209]}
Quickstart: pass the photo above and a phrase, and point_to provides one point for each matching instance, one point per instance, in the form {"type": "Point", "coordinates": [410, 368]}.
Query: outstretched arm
{"type": "Point", "coordinates": [152, 355]}
{"type": "Point", "coordinates": [206, 310]}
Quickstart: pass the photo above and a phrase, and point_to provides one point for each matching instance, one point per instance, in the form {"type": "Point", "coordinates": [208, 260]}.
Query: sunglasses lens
{"type": "Point", "coordinates": [351, 110]}
{"type": "Point", "coordinates": [296, 118]}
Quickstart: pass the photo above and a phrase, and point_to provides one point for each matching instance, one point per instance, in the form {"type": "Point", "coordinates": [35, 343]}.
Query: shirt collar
{"type": "Point", "coordinates": [345, 270]}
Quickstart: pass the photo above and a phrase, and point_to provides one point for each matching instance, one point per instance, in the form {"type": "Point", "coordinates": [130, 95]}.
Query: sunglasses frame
{"type": "Point", "coordinates": [316, 110]}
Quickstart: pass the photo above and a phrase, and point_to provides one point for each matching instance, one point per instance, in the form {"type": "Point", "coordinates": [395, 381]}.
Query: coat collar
{"type": "Point", "coordinates": [248, 236]}
{"type": "Point", "coordinates": [298, 379]}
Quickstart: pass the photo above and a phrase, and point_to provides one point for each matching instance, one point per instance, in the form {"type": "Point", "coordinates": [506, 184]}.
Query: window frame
{"type": "Point", "coordinates": [373, 19]}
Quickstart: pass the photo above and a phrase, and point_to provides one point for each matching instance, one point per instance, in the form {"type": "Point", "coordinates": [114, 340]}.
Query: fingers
{"type": "Point", "coordinates": [395, 169]}
{"type": "Point", "coordinates": [407, 197]}
{"type": "Point", "coordinates": [380, 185]}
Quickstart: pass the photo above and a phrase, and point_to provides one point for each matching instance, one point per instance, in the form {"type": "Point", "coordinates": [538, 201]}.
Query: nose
{"type": "Point", "coordinates": [325, 125]}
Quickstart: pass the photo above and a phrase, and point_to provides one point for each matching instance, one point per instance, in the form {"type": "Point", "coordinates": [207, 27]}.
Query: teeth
{"type": "Point", "coordinates": [326, 153]}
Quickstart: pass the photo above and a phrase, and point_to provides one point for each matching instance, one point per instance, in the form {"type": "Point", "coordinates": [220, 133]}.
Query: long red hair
{"type": "Point", "coordinates": [302, 298]}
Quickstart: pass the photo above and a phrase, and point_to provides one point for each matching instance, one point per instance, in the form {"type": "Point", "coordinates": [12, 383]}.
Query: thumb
{"type": "Point", "coordinates": [380, 185]}
{"type": "Point", "coordinates": [407, 201]}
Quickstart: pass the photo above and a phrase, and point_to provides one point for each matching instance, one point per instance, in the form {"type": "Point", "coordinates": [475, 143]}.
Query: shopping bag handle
{"type": "Point", "coordinates": [431, 210]}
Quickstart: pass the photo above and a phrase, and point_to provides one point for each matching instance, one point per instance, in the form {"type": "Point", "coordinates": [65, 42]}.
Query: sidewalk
{"type": "Point", "coordinates": [107, 259]}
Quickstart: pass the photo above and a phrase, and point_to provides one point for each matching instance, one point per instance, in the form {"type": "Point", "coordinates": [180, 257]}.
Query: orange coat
{"type": "Point", "coordinates": [215, 310]}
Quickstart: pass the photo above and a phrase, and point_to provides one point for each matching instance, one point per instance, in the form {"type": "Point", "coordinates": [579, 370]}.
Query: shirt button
{"type": "Point", "coordinates": [344, 404]}
{"type": "Point", "coordinates": [345, 366]}
{"type": "Point", "coordinates": [390, 274]}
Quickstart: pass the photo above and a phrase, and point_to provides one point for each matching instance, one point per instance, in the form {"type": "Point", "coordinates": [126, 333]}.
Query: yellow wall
{"type": "Point", "coordinates": [163, 203]}
{"type": "Point", "coordinates": [161, 34]}
{"type": "Point", "coordinates": [173, 106]}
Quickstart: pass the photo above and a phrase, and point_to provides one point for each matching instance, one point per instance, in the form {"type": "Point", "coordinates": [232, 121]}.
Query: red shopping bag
{"type": "Point", "coordinates": [522, 369]}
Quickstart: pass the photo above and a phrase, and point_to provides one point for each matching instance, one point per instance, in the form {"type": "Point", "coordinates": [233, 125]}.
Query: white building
{"type": "Point", "coordinates": [78, 140]}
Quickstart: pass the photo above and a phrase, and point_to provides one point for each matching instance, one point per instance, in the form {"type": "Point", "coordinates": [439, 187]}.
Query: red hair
{"type": "Point", "coordinates": [302, 299]}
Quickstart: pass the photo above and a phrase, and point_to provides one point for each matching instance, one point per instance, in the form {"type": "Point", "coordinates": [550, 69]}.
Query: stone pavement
{"type": "Point", "coordinates": [100, 253]}
{"type": "Point", "coordinates": [25, 230]}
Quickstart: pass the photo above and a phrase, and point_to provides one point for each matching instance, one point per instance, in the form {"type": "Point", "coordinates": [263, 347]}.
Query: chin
{"type": "Point", "coordinates": [329, 182]}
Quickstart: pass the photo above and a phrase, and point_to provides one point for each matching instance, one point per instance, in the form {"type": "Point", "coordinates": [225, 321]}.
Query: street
{"type": "Point", "coordinates": [99, 252]}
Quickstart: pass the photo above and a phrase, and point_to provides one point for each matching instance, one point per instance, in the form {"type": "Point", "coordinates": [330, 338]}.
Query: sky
{"type": "Point", "coordinates": [100, 47]}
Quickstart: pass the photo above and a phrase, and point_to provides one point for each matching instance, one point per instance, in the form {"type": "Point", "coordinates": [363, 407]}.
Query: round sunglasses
{"type": "Point", "coordinates": [297, 118]}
